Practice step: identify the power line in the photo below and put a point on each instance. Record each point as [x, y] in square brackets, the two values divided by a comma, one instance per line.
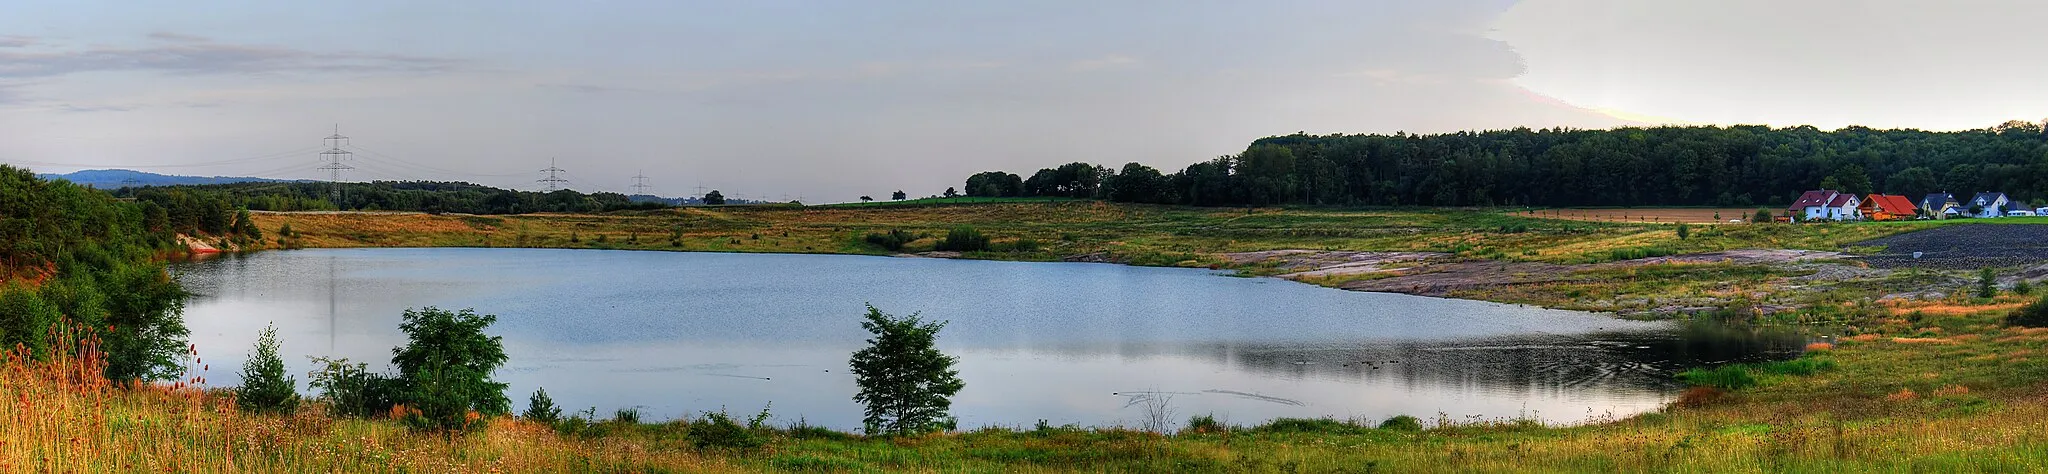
[554, 180]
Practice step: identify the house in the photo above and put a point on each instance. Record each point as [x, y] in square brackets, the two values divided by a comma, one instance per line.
[1940, 205]
[1888, 207]
[2018, 209]
[1990, 204]
[1826, 204]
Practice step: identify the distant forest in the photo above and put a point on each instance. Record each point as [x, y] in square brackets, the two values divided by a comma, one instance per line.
[423, 196]
[1658, 166]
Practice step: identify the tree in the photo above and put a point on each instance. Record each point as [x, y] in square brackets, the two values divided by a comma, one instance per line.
[905, 382]
[899, 195]
[1684, 231]
[265, 387]
[714, 198]
[447, 366]
[1913, 182]
[950, 192]
[1853, 180]
[1987, 283]
[1762, 215]
[541, 408]
[866, 199]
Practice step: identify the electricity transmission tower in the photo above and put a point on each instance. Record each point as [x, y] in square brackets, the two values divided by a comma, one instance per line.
[554, 181]
[640, 185]
[333, 161]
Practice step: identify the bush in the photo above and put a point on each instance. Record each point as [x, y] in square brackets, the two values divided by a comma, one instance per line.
[1684, 231]
[447, 368]
[265, 387]
[964, 239]
[1726, 377]
[628, 416]
[351, 390]
[1025, 245]
[1205, 424]
[893, 240]
[717, 430]
[1402, 423]
[1987, 283]
[1309, 425]
[2022, 288]
[2033, 315]
[540, 407]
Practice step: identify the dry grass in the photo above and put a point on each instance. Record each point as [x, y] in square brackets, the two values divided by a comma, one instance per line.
[1650, 215]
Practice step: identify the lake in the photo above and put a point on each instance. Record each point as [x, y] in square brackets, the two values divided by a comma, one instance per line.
[677, 334]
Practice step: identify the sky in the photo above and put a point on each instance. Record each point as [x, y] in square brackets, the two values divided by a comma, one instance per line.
[831, 100]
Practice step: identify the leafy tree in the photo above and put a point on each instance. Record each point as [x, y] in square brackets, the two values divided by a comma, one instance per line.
[714, 198]
[898, 195]
[1853, 180]
[1987, 283]
[1684, 231]
[867, 199]
[1762, 215]
[265, 387]
[447, 367]
[1912, 182]
[950, 192]
[964, 239]
[541, 408]
[905, 382]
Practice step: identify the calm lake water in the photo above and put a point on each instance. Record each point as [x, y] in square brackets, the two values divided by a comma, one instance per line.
[682, 333]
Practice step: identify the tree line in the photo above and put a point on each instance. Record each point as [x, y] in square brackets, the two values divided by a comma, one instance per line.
[1740, 165]
[418, 196]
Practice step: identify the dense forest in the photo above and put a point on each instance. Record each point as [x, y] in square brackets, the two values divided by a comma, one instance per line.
[73, 254]
[1659, 166]
[422, 196]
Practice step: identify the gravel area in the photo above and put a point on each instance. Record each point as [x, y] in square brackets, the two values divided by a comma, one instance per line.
[1963, 247]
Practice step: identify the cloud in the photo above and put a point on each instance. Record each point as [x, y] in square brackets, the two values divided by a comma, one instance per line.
[192, 55]
[11, 41]
[1106, 62]
[178, 37]
[92, 108]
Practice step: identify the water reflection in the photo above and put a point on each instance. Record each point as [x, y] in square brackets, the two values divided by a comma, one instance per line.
[1070, 343]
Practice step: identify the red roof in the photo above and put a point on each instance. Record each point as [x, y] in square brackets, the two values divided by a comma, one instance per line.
[1891, 204]
[1812, 199]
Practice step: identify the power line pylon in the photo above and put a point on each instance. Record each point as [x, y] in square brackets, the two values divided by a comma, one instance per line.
[554, 181]
[332, 161]
[640, 185]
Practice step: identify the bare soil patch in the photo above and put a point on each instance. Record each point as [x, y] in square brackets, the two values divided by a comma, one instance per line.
[1962, 247]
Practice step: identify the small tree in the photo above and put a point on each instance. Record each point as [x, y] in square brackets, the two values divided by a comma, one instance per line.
[1684, 231]
[447, 368]
[1762, 215]
[905, 382]
[950, 192]
[867, 199]
[1987, 283]
[541, 408]
[899, 195]
[714, 198]
[265, 387]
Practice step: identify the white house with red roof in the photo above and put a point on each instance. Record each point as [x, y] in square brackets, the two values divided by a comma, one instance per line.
[1826, 204]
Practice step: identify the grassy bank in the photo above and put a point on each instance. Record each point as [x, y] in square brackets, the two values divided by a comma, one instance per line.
[1932, 386]
[1140, 234]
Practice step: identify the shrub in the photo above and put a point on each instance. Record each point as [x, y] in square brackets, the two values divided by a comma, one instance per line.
[265, 387]
[1684, 231]
[718, 431]
[1204, 424]
[629, 416]
[893, 240]
[2033, 315]
[1726, 377]
[351, 390]
[1402, 423]
[2022, 288]
[1987, 283]
[447, 368]
[1309, 425]
[1025, 245]
[964, 239]
[540, 407]
[905, 382]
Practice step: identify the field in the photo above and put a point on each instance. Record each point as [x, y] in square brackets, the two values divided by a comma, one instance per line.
[1655, 215]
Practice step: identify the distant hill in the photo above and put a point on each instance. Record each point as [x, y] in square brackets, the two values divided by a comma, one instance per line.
[111, 179]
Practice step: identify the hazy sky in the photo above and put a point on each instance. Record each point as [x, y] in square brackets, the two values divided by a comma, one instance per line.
[831, 100]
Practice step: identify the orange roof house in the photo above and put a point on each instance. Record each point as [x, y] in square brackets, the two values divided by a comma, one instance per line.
[1887, 207]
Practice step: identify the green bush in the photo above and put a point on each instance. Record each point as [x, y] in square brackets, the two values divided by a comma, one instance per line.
[1025, 245]
[1205, 424]
[265, 387]
[351, 390]
[1987, 283]
[2022, 288]
[717, 430]
[628, 416]
[2033, 315]
[964, 239]
[893, 240]
[1309, 425]
[447, 368]
[1402, 423]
